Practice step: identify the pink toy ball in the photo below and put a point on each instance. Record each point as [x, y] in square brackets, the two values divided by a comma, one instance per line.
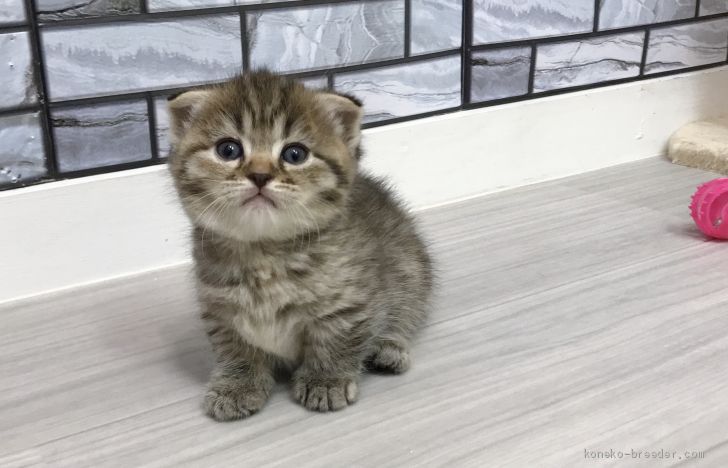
[709, 208]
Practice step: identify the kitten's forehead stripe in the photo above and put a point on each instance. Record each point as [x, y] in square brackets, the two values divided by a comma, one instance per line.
[289, 123]
[237, 116]
[227, 127]
[279, 129]
[247, 117]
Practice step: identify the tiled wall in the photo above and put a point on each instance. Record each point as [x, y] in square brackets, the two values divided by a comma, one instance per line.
[84, 81]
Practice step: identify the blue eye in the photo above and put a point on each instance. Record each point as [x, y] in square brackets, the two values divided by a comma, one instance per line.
[295, 154]
[229, 150]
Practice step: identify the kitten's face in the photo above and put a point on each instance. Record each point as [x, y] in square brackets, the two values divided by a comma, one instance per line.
[261, 157]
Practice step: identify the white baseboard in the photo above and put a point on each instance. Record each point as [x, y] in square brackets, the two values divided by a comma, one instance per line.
[69, 233]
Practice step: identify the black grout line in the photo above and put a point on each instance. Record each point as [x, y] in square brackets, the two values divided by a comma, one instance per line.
[152, 119]
[13, 28]
[113, 168]
[137, 95]
[22, 109]
[532, 69]
[407, 27]
[409, 118]
[330, 81]
[466, 77]
[467, 56]
[697, 8]
[244, 42]
[645, 47]
[143, 6]
[41, 85]
[597, 15]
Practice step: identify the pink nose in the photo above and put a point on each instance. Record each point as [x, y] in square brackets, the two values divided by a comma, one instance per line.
[260, 179]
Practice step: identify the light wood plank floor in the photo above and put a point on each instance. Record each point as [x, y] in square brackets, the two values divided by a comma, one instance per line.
[575, 316]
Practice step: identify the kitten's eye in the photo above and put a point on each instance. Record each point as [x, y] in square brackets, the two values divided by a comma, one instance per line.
[229, 150]
[294, 154]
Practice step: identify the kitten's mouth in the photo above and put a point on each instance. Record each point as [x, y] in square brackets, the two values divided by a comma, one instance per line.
[259, 200]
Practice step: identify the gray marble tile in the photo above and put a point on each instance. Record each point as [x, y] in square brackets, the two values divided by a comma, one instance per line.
[436, 25]
[21, 149]
[16, 70]
[101, 135]
[623, 13]
[500, 73]
[58, 10]
[316, 82]
[712, 7]
[122, 57]
[403, 90]
[508, 20]
[12, 11]
[167, 5]
[588, 61]
[689, 45]
[303, 38]
[161, 120]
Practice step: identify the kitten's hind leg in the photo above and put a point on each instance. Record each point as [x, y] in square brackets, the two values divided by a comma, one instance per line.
[389, 356]
[390, 352]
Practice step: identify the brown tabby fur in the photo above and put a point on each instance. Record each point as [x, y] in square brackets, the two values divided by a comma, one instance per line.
[330, 279]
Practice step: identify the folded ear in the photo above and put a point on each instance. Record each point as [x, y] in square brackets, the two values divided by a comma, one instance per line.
[182, 110]
[346, 113]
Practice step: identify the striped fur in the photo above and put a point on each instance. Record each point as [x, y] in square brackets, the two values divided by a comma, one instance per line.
[330, 279]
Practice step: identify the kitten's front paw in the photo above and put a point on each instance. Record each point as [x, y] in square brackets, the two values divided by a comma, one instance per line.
[322, 393]
[231, 398]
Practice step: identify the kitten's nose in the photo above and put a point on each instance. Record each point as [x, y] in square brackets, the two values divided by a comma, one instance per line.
[260, 179]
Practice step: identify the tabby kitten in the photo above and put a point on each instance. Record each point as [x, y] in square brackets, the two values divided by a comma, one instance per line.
[301, 262]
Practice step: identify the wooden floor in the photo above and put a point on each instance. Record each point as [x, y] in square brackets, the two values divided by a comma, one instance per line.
[574, 317]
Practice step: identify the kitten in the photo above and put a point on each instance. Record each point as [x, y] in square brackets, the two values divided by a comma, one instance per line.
[301, 262]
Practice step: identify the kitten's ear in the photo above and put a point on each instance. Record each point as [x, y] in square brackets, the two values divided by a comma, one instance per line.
[182, 110]
[346, 112]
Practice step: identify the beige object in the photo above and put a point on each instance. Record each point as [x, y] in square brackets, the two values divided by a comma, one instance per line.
[702, 144]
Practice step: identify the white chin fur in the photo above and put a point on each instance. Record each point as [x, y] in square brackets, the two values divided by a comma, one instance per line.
[255, 223]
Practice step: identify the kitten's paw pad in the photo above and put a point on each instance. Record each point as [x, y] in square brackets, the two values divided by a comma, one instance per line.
[390, 358]
[226, 402]
[324, 394]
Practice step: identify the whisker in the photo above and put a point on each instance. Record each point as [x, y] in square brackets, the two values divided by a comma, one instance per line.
[295, 226]
[224, 197]
[312, 218]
